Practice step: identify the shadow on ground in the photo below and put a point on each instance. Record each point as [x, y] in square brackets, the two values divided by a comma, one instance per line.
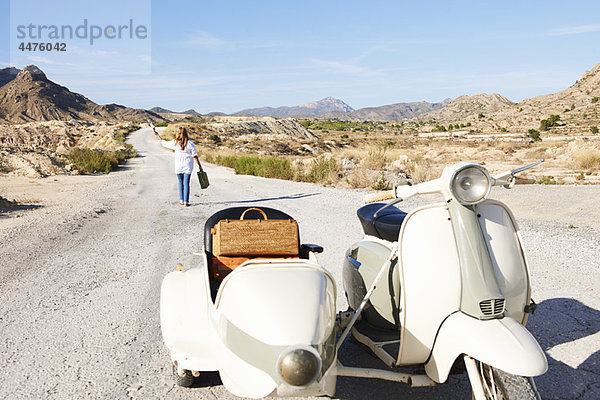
[289, 197]
[7, 207]
[559, 321]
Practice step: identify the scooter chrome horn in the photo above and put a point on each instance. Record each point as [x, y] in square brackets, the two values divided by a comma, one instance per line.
[470, 184]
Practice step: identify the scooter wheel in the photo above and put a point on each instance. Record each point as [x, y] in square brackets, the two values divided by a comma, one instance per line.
[186, 380]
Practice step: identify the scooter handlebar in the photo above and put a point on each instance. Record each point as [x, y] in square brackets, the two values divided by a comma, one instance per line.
[379, 196]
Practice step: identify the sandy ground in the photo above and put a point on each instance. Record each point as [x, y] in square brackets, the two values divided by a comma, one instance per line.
[81, 267]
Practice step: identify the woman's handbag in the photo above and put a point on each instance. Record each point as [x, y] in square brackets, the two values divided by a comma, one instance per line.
[255, 237]
[203, 178]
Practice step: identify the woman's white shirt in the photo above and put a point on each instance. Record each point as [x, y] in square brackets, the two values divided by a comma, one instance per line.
[184, 159]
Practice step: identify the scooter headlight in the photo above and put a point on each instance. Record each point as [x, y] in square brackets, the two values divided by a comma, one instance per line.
[299, 366]
[471, 184]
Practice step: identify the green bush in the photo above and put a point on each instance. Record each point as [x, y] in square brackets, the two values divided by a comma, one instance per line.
[90, 161]
[534, 134]
[215, 138]
[439, 128]
[594, 129]
[320, 169]
[595, 99]
[161, 124]
[546, 124]
[268, 167]
[344, 136]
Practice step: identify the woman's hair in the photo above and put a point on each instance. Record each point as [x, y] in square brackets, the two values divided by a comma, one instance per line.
[182, 137]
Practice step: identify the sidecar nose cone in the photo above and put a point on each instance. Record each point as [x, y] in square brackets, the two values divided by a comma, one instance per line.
[299, 367]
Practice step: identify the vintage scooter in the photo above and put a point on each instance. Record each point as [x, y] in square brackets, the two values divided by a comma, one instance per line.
[445, 287]
[432, 292]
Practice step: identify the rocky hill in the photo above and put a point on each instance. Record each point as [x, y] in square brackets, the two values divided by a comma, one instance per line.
[28, 95]
[314, 108]
[466, 106]
[577, 106]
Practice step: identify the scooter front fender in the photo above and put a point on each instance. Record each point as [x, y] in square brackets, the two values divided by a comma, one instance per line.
[502, 343]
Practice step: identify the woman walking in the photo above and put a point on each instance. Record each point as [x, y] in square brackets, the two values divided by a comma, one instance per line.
[185, 154]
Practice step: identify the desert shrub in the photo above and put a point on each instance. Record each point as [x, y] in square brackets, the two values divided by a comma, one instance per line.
[162, 124]
[381, 183]
[90, 161]
[586, 159]
[595, 99]
[344, 136]
[322, 170]
[546, 124]
[439, 128]
[503, 130]
[546, 180]
[534, 134]
[268, 167]
[594, 129]
[215, 138]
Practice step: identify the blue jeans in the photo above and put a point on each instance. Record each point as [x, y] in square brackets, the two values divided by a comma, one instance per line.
[184, 187]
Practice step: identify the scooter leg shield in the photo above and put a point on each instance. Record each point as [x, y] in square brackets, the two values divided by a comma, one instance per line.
[502, 343]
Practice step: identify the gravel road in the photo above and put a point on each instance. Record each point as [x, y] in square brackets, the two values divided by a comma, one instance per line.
[80, 273]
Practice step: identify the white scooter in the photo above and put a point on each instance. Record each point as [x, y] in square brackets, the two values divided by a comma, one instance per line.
[441, 287]
[445, 287]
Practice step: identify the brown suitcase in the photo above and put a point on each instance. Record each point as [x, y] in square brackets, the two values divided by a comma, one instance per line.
[255, 237]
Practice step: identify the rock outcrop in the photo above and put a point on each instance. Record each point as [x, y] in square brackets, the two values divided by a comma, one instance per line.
[263, 125]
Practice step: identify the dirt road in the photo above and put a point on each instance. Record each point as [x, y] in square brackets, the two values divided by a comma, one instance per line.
[80, 278]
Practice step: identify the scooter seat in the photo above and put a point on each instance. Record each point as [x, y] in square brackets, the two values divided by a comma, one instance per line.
[387, 224]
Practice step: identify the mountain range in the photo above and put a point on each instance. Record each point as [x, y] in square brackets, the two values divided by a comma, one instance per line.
[27, 95]
[328, 104]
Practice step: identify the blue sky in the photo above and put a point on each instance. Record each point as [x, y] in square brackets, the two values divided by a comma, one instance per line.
[230, 55]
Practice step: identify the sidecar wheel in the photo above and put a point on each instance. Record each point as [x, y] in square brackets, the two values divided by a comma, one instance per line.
[184, 381]
[498, 384]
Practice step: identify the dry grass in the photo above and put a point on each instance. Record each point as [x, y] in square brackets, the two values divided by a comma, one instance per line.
[586, 158]
[422, 171]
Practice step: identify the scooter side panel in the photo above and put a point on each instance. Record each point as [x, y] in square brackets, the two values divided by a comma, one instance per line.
[184, 319]
[502, 343]
[431, 280]
[279, 305]
[262, 311]
[507, 256]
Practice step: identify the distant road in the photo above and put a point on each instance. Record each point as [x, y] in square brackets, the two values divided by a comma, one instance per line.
[80, 279]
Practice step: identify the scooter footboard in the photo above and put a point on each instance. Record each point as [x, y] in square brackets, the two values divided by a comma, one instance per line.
[502, 343]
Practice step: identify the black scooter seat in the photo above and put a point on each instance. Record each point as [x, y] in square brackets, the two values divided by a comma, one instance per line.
[387, 224]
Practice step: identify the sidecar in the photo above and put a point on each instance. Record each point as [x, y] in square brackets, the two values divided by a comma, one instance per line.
[266, 324]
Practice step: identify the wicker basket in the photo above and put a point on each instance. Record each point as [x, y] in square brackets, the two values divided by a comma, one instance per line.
[255, 237]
